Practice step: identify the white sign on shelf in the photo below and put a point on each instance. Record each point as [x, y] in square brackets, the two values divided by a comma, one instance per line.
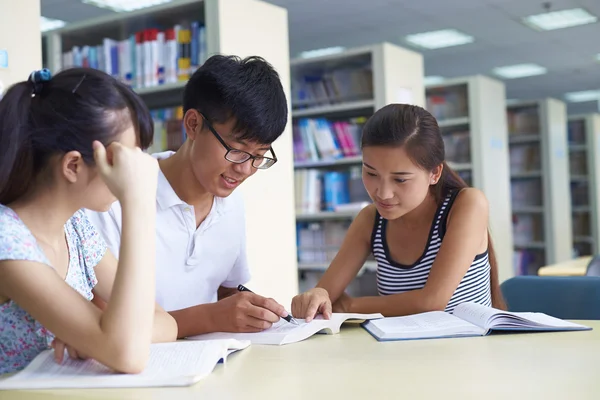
[3, 59]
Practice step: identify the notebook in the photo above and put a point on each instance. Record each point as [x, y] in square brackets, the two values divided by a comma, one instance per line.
[284, 332]
[468, 319]
[181, 363]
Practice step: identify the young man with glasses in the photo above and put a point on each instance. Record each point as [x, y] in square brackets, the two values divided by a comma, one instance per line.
[234, 110]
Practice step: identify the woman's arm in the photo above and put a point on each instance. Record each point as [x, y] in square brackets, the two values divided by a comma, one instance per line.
[351, 256]
[164, 328]
[466, 236]
[120, 336]
[349, 259]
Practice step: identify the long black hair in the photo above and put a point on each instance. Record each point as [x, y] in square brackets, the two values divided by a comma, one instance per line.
[415, 129]
[45, 116]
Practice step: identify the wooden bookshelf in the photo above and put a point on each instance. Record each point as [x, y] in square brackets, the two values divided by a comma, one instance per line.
[228, 30]
[539, 184]
[380, 74]
[471, 114]
[584, 167]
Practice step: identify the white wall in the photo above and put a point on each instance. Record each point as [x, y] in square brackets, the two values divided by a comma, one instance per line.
[25, 48]
[244, 28]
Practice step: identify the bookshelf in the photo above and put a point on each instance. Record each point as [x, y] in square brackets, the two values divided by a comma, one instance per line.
[332, 97]
[223, 27]
[472, 118]
[584, 167]
[539, 184]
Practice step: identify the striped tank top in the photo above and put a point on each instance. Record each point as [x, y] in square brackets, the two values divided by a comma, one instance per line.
[393, 277]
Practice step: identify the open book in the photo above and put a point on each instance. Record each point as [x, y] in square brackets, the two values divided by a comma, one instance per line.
[180, 363]
[468, 319]
[284, 332]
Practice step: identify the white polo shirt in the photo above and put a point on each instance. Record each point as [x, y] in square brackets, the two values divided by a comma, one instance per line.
[191, 263]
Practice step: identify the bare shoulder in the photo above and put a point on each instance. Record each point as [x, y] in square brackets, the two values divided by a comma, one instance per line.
[471, 202]
[366, 216]
[362, 225]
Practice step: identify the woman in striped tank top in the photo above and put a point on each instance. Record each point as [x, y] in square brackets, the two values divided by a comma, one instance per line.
[426, 229]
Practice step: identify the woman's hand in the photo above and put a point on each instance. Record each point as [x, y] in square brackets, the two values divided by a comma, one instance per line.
[59, 351]
[307, 305]
[128, 173]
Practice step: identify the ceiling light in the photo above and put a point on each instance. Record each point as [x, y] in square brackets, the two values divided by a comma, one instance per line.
[433, 79]
[47, 24]
[439, 39]
[598, 57]
[322, 52]
[519, 71]
[586, 95]
[560, 19]
[125, 5]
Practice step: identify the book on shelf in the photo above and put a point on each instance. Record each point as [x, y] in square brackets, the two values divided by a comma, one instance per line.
[317, 139]
[468, 319]
[332, 86]
[318, 190]
[523, 120]
[146, 58]
[527, 262]
[448, 102]
[320, 242]
[283, 332]
[576, 131]
[525, 157]
[457, 145]
[169, 133]
[181, 363]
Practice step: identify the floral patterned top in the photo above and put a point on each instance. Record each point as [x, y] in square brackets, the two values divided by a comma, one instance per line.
[21, 337]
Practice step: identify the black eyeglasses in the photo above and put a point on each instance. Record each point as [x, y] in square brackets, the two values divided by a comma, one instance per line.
[239, 156]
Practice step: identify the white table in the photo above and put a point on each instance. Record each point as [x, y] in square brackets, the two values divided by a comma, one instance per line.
[353, 365]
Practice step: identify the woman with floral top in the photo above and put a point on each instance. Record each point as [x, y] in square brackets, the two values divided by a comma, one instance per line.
[71, 142]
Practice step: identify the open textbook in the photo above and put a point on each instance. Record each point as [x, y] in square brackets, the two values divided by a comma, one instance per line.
[284, 332]
[181, 363]
[468, 319]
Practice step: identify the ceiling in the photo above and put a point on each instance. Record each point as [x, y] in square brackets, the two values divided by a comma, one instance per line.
[500, 38]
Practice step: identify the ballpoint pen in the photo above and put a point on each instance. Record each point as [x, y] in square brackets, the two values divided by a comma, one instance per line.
[289, 317]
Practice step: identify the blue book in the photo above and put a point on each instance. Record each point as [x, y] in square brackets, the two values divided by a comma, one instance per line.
[335, 189]
[467, 319]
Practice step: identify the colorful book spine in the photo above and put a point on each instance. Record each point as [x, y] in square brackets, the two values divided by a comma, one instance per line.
[146, 58]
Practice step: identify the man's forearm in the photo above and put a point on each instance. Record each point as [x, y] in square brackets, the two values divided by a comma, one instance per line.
[194, 320]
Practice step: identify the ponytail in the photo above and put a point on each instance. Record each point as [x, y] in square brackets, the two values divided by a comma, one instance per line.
[451, 181]
[16, 152]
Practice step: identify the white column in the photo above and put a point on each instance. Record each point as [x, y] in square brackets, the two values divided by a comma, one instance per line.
[20, 40]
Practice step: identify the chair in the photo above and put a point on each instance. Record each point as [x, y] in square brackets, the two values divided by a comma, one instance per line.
[572, 297]
[593, 268]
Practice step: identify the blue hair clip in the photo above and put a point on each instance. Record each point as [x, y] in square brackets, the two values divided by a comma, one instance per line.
[37, 78]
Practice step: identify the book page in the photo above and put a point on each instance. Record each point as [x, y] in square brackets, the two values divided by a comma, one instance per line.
[167, 362]
[546, 320]
[283, 332]
[491, 318]
[475, 313]
[424, 325]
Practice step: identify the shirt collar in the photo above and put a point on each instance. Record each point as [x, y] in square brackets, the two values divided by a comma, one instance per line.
[167, 198]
